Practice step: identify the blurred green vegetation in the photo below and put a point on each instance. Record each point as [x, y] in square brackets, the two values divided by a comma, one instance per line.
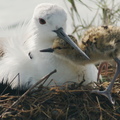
[108, 12]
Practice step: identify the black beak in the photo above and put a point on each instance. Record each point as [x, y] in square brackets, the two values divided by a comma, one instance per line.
[47, 50]
[62, 34]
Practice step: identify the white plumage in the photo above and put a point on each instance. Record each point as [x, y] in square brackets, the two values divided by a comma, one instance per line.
[28, 38]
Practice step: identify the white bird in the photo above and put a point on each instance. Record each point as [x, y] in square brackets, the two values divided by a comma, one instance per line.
[20, 51]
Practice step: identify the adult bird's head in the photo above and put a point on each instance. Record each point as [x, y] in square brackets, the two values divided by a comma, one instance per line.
[49, 22]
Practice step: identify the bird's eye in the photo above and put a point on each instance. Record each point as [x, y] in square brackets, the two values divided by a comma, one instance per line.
[42, 21]
[59, 48]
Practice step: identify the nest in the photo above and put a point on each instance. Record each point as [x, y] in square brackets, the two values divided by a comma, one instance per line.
[71, 101]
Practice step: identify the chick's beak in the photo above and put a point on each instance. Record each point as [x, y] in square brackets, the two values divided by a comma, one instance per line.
[47, 50]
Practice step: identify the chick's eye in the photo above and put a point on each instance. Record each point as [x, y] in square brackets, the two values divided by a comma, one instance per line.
[42, 21]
